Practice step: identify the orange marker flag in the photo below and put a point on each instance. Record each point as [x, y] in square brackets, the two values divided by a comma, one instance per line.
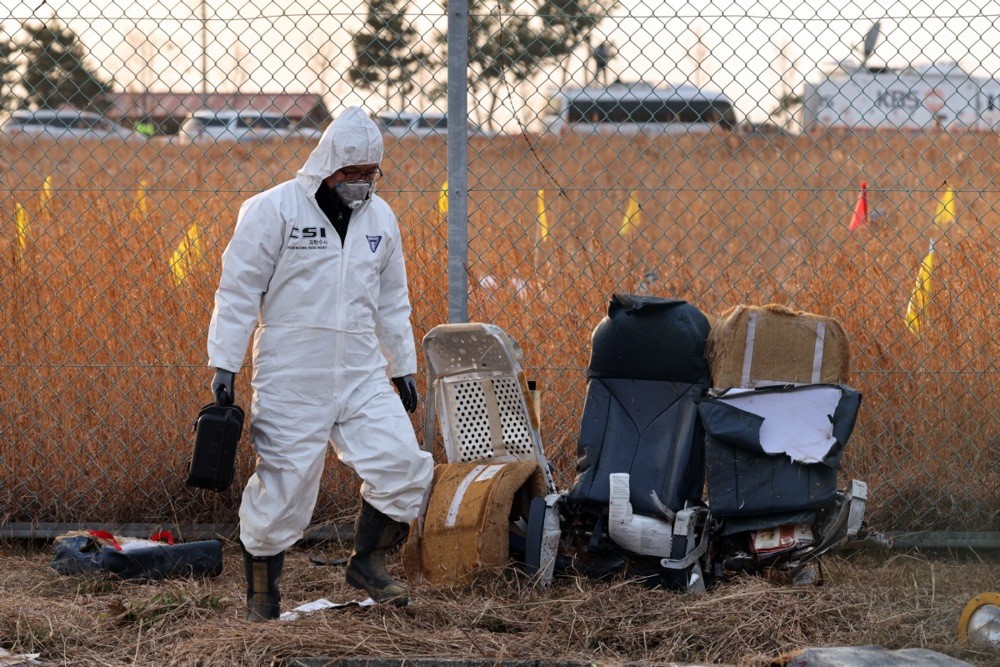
[860, 216]
[543, 216]
[921, 296]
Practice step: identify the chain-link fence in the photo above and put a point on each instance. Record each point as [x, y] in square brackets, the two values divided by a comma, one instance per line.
[835, 161]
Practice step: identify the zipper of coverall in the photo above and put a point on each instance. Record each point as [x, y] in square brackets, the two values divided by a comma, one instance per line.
[354, 223]
[338, 353]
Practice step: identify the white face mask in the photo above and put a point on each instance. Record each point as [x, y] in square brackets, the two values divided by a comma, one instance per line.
[354, 193]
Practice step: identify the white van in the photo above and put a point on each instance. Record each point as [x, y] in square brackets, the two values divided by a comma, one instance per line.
[64, 124]
[420, 125]
[638, 108]
[227, 125]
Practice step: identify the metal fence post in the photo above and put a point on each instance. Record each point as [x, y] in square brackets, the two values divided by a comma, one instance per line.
[458, 207]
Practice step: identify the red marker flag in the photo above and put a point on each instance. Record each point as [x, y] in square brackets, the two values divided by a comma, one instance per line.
[860, 216]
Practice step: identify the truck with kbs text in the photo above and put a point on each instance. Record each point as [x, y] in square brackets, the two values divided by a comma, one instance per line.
[940, 96]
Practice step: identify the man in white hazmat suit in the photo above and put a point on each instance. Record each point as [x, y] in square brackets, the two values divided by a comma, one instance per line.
[316, 264]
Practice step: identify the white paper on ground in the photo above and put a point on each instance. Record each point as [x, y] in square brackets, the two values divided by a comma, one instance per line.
[781, 538]
[320, 605]
[797, 423]
[8, 659]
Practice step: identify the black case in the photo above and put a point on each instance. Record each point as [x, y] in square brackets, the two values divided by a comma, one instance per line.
[217, 433]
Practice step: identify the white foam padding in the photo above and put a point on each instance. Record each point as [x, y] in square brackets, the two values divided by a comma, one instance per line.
[797, 423]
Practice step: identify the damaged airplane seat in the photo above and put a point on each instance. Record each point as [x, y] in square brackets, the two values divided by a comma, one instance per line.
[657, 430]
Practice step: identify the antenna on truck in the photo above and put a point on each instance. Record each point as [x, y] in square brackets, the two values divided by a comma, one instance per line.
[868, 43]
[864, 49]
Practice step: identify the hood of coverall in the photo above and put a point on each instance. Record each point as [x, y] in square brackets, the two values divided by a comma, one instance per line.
[351, 139]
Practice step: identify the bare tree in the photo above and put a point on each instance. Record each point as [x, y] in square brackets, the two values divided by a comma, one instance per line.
[567, 28]
[141, 66]
[388, 52]
[242, 66]
[698, 55]
[505, 50]
[323, 65]
[140, 70]
[789, 101]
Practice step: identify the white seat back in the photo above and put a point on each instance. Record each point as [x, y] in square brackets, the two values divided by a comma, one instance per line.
[479, 394]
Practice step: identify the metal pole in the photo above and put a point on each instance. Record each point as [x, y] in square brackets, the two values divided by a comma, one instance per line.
[458, 161]
[204, 50]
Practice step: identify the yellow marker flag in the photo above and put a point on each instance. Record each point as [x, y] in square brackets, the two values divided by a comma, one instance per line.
[194, 249]
[945, 213]
[633, 215]
[187, 254]
[921, 296]
[443, 199]
[543, 216]
[46, 194]
[21, 221]
[141, 210]
[178, 261]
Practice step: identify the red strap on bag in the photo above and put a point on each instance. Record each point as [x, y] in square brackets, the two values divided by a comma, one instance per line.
[163, 536]
[106, 536]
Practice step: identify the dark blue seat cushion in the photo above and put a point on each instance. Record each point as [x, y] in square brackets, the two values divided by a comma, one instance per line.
[647, 368]
[648, 429]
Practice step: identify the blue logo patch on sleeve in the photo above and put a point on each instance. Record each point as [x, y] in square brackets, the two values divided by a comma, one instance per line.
[373, 242]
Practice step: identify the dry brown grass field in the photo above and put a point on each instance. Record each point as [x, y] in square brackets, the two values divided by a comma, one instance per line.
[894, 600]
[102, 362]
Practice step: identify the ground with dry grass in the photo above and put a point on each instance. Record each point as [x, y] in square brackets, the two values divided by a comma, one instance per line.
[895, 600]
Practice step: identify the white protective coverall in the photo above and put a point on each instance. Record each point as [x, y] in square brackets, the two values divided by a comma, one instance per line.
[333, 324]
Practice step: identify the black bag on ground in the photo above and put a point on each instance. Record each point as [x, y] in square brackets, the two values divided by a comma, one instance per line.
[217, 433]
[79, 554]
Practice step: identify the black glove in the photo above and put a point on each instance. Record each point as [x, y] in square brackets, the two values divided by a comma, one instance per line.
[222, 386]
[407, 389]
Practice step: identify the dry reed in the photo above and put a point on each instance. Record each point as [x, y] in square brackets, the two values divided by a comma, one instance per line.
[102, 356]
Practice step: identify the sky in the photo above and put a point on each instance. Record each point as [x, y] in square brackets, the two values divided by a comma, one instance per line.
[750, 51]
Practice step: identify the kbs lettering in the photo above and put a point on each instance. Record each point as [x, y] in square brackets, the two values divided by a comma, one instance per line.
[308, 232]
[897, 99]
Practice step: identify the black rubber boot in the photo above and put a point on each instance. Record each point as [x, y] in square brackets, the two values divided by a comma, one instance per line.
[374, 535]
[263, 578]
